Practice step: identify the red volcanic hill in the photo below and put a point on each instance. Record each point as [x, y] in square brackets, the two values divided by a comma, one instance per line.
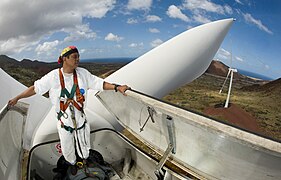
[217, 68]
[220, 69]
[234, 115]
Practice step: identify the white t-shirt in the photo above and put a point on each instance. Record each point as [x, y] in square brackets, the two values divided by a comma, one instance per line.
[51, 82]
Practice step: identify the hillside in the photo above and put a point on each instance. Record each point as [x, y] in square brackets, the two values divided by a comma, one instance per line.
[6, 61]
[259, 101]
[268, 87]
[220, 69]
[27, 71]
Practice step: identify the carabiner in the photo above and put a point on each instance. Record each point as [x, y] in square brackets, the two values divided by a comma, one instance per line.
[80, 164]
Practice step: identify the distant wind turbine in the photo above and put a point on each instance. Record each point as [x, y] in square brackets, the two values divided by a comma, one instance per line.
[230, 72]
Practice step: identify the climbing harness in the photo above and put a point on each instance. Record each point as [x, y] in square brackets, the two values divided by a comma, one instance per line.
[67, 100]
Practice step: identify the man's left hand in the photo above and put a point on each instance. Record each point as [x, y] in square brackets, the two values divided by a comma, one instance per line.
[122, 89]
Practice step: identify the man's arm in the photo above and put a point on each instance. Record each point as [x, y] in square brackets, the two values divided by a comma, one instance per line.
[27, 93]
[120, 88]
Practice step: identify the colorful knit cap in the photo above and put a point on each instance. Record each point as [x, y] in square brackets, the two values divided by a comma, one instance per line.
[66, 52]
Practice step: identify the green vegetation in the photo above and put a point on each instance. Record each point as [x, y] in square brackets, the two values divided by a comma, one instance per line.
[25, 76]
[203, 93]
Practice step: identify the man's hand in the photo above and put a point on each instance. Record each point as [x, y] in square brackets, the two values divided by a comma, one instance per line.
[13, 102]
[27, 93]
[122, 89]
[116, 87]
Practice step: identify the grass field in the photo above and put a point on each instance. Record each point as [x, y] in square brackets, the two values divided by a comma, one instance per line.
[204, 92]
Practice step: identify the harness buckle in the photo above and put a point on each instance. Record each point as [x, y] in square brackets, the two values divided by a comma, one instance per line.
[63, 99]
[64, 114]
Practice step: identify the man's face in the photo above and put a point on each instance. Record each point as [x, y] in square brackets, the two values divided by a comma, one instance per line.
[72, 60]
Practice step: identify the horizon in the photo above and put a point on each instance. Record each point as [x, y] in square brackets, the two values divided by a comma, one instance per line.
[130, 59]
[109, 29]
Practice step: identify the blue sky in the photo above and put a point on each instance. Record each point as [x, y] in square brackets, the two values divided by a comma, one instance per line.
[129, 28]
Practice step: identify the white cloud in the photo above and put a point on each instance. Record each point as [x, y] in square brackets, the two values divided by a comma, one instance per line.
[153, 18]
[132, 21]
[228, 9]
[223, 54]
[267, 67]
[248, 18]
[239, 59]
[17, 45]
[31, 21]
[134, 45]
[239, 2]
[153, 30]
[156, 42]
[206, 5]
[261, 64]
[139, 4]
[46, 47]
[81, 51]
[201, 19]
[80, 32]
[112, 37]
[174, 12]
[94, 8]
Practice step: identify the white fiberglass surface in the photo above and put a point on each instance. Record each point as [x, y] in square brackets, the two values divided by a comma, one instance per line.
[11, 134]
[109, 143]
[39, 106]
[213, 149]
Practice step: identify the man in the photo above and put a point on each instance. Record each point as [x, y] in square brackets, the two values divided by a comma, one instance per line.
[67, 88]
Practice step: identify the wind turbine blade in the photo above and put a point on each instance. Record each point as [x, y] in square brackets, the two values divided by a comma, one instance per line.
[176, 62]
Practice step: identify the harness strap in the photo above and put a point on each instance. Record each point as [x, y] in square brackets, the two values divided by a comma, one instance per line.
[70, 96]
[67, 98]
[71, 129]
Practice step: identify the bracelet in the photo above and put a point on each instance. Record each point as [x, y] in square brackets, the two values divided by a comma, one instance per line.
[115, 87]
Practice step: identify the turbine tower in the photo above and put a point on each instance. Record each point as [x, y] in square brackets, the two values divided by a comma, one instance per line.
[230, 72]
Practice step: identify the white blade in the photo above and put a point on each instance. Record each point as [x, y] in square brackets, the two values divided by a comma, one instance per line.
[178, 61]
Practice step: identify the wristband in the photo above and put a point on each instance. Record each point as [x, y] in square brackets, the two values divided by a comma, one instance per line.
[115, 87]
